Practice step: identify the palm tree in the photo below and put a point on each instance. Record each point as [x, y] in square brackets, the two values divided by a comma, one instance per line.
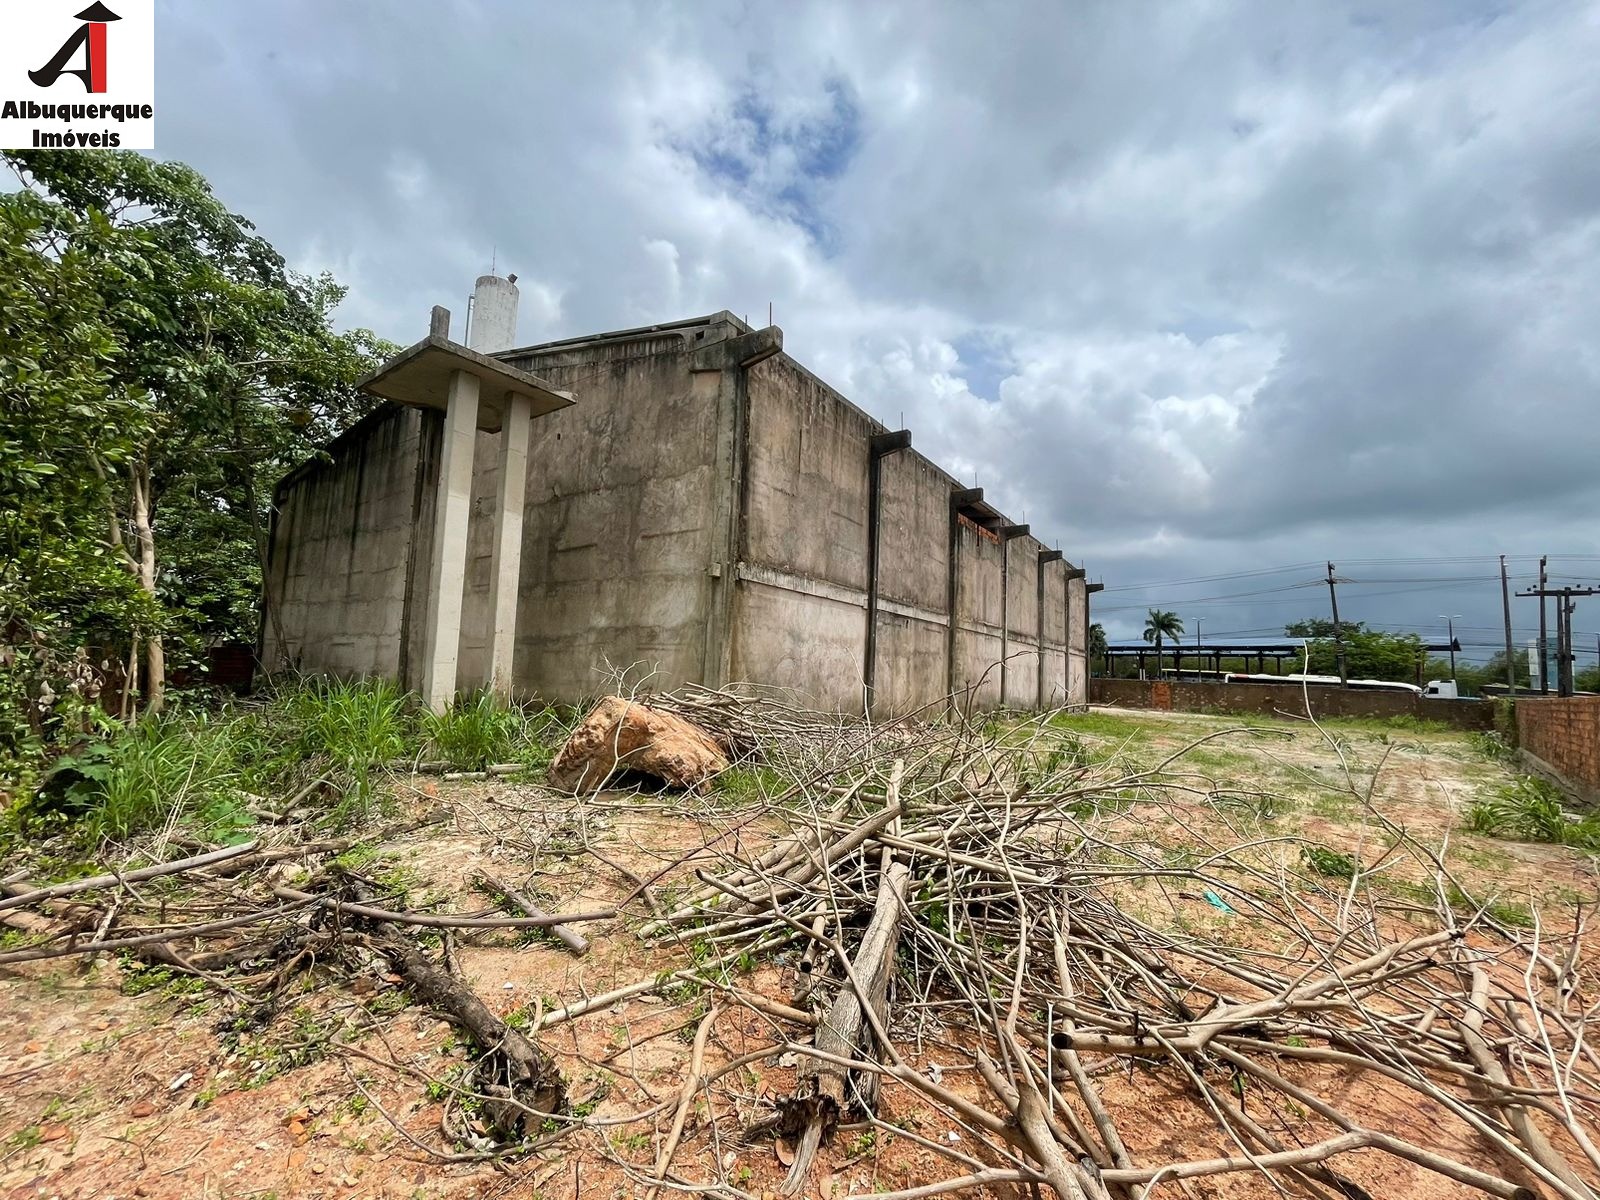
[1160, 625]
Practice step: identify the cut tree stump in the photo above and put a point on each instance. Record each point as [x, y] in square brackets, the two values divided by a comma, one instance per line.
[624, 735]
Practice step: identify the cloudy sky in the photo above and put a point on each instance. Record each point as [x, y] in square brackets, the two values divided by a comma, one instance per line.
[1199, 290]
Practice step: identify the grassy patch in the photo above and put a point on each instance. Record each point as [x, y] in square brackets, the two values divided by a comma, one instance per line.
[1531, 810]
[750, 785]
[475, 731]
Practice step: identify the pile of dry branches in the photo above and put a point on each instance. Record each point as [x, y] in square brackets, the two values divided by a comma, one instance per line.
[229, 917]
[986, 894]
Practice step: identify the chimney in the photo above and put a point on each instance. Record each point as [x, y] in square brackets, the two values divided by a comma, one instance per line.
[494, 315]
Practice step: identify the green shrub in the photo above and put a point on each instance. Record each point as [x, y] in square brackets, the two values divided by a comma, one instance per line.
[1328, 862]
[358, 726]
[176, 767]
[1531, 810]
[475, 731]
[1493, 746]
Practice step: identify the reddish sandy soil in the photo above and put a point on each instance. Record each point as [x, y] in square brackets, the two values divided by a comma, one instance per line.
[104, 1094]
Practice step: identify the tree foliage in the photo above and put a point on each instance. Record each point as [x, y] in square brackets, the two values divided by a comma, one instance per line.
[160, 367]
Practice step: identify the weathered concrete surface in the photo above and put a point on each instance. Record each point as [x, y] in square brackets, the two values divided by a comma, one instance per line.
[980, 603]
[913, 584]
[624, 735]
[505, 559]
[340, 543]
[1022, 622]
[1053, 620]
[1077, 642]
[713, 521]
[618, 520]
[446, 571]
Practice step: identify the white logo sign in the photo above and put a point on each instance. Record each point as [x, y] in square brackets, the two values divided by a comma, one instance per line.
[78, 78]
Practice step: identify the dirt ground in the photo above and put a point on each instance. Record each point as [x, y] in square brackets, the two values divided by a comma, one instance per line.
[117, 1084]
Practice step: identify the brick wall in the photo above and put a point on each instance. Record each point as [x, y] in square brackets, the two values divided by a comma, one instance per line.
[1563, 734]
[1268, 699]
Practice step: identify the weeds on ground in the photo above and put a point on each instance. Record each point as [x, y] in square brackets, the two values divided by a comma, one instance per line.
[1494, 747]
[475, 731]
[1531, 810]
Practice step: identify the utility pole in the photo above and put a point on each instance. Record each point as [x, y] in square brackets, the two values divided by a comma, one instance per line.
[1199, 662]
[1338, 633]
[1544, 634]
[1565, 607]
[1568, 658]
[1505, 603]
[1450, 623]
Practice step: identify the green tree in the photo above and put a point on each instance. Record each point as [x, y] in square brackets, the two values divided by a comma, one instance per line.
[239, 369]
[1160, 625]
[1097, 643]
[65, 599]
[1369, 654]
[1319, 627]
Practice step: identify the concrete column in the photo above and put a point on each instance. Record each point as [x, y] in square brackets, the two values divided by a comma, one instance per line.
[505, 564]
[447, 575]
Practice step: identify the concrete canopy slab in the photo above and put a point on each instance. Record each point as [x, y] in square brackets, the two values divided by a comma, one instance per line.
[419, 376]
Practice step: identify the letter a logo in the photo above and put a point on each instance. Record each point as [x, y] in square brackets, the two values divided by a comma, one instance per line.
[91, 33]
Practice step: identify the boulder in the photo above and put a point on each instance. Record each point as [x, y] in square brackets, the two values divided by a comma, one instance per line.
[624, 735]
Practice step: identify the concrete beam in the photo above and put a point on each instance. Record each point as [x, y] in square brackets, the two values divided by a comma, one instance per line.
[966, 497]
[745, 350]
[1049, 556]
[505, 567]
[447, 574]
[888, 443]
[1012, 531]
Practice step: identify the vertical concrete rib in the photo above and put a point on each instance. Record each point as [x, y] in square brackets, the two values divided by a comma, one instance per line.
[1046, 556]
[449, 567]
[505, 567]
[879, 447]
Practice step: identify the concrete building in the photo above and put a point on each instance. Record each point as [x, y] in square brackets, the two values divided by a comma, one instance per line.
[693, 501]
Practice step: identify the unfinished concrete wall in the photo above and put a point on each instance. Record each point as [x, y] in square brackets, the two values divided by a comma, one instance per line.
[1021, 669]
[913, 584]
[1077, 641]
[980, 602]
[700, 514]
[618, 521]
[799, 618]
[1053, 647]
[342, 538]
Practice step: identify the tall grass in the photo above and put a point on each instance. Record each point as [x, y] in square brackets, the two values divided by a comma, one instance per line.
[356, 727]
[1531, 810]
[170, 769]
[475, 731]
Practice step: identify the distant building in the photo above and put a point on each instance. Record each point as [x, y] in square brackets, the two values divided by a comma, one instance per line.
[705, 507]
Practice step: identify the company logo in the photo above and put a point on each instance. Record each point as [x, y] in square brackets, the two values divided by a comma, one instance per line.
[91, 35]
[111, 52]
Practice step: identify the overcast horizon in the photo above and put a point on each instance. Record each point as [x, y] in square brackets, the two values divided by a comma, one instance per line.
[1208, 293]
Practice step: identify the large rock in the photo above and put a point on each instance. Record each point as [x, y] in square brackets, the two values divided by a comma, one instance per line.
[624, 735]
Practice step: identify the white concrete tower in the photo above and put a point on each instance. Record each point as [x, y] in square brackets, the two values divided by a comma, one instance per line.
[494, 315]
[494, 329]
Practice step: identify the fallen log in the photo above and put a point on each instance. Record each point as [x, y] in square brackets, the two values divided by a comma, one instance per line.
[522, 1084]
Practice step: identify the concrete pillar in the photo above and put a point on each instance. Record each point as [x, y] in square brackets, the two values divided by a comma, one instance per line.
[447, 575]
[505, 566]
